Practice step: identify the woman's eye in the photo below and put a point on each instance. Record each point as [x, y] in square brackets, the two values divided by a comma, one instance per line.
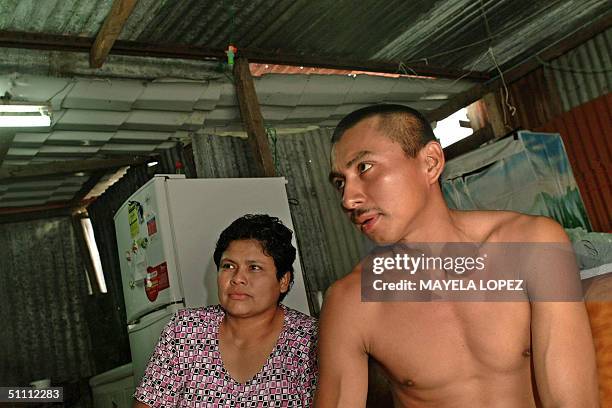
[363, 167]
[339, 184]
[256, 267]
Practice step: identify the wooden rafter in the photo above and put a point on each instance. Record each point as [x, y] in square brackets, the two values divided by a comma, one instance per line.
[252, 120]
[70, 166]
[110, 31]
[13, 39]
[20, 214]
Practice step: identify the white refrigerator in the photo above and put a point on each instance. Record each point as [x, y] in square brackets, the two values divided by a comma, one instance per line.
[166, 235]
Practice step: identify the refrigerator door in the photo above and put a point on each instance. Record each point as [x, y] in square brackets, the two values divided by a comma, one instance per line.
[146, 251]
[144, 336]
[201, 208]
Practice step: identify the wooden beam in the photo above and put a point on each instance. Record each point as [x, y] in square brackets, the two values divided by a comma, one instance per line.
[252, 121]
[110, 31]
[13, 39]
[472, 142]
[19, 214]
[562, 46]
[70, 166]
[462, 100]
[495, 116]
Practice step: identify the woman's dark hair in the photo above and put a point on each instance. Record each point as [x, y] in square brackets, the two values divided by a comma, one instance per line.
[272, 234]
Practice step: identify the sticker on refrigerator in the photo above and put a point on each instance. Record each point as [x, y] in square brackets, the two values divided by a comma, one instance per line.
[152, 225]
[156, 280]
[134, 217]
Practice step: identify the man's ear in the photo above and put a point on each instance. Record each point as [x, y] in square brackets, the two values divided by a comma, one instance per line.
[434, 160]
[284, 282]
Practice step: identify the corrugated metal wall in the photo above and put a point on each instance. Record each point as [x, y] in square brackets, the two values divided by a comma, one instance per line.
[571, 96]
[585, 72]
[579, 76]
[43, 297]
[329, 245]
[586, 134]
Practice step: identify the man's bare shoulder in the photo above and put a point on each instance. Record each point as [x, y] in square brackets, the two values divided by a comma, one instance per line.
[343, 298]
[511, 226]
[344, 318]
[530, 228]
[346, 290]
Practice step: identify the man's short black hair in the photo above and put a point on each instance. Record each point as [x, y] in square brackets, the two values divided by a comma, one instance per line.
[402, 124]
[272, 234]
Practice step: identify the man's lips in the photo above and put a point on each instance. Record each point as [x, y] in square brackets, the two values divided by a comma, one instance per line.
[368, 224]
[366, 221]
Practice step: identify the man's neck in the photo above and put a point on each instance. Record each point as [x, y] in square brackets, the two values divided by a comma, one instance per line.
[438, 223]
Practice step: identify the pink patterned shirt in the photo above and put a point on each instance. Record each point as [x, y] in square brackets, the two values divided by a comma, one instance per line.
[186, 369]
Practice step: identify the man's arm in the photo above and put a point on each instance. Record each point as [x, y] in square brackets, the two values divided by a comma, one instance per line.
[562, 344]
[343, 361]
[138, 404]
[564, 356]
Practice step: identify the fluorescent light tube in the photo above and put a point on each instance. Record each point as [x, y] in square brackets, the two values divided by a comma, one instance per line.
[20, 115]
[25, 121]
[23, 108]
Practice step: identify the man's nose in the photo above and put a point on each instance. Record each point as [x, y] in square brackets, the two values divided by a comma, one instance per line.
[352, 196]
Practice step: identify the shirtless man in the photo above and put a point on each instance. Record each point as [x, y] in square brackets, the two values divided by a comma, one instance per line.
[386, 164]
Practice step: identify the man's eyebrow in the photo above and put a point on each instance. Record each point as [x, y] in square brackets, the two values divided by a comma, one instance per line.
[357, 157]
[360, 155]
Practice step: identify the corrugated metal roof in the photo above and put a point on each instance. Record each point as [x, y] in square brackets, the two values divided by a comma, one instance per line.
[71, 17]
[99, 117]
[585, 72]
[439, 32]
[446, 33]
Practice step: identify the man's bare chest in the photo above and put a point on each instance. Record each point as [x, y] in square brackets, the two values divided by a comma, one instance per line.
[432, 344]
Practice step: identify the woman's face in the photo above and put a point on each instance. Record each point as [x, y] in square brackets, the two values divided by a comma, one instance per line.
[246, 281]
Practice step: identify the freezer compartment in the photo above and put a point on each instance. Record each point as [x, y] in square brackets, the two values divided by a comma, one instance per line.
[144, 336]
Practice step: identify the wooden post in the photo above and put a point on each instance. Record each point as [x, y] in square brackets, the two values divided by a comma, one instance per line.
[495, 115]
[252, 121]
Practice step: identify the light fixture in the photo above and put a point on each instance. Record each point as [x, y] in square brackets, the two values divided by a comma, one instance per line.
[17, 115]
[152, 163]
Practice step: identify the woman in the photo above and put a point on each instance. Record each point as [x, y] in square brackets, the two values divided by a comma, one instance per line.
[249, 351]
